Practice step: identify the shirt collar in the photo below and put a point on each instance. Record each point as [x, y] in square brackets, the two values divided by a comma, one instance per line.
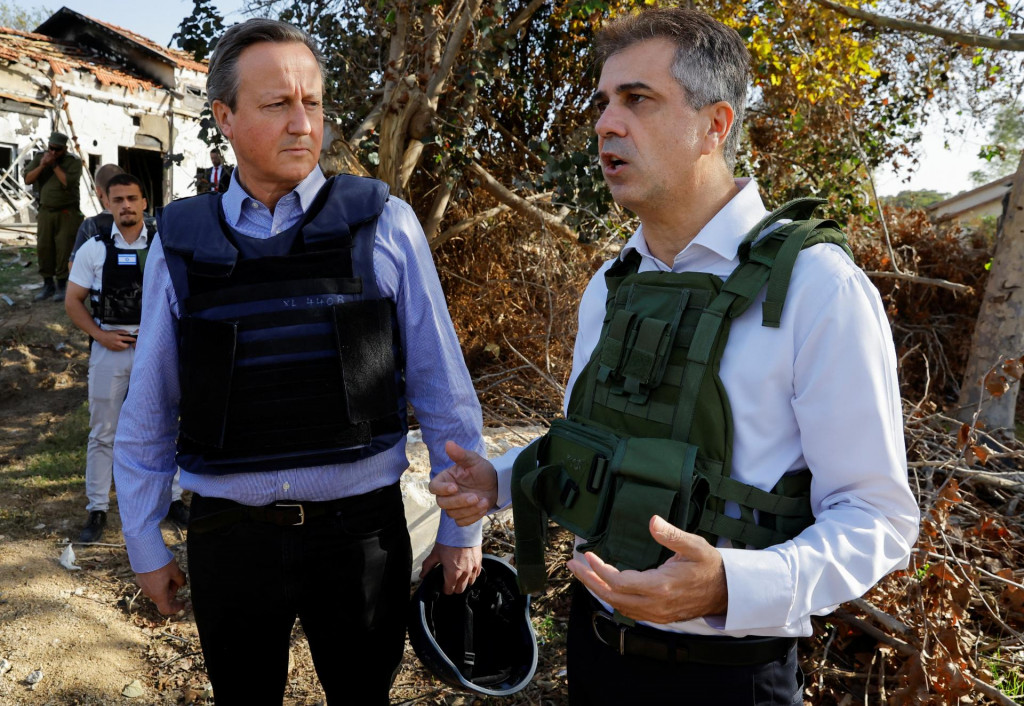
[236, 197]
[121, 242]
[724, 232]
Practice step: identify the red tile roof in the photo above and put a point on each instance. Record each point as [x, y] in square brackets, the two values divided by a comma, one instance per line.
[17, 46]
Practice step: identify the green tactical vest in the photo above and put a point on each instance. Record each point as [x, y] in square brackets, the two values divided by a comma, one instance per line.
[650, 428]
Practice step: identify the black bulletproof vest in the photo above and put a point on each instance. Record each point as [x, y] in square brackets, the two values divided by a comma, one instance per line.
[288, 355]
[119, 300]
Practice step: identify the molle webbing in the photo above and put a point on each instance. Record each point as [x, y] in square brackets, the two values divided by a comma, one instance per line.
[650, 428]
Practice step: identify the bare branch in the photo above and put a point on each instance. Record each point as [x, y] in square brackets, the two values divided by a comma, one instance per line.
[478, 218]
[972, 40]
[945, 284]
[521, 205]
[451, 51]
[523, 17]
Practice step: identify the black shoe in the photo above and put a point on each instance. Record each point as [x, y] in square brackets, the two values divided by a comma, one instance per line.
[178, 513]
[62, 287]
[48, 291]
[93, 529]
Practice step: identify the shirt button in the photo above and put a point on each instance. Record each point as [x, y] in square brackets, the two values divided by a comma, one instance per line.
[254, 204]
[286, 486]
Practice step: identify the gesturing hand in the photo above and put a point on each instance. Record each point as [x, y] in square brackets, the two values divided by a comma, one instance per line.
[467, 490]
[691, 584]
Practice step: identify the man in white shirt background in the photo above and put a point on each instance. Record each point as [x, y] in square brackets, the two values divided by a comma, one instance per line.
[108, 273]
[817, 392]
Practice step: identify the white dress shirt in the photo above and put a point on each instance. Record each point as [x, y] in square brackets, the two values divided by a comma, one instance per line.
[819, 392]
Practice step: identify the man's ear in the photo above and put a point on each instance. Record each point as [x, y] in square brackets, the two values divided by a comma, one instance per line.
[720, 117]
[224, 117]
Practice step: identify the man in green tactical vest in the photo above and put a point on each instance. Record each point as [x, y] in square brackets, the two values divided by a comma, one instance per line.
[732, 457]
[55, 173]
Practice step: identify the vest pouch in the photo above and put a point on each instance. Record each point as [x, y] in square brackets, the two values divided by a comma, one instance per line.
[652, 477]
[206, 368]
[366, 345]
[573, 477]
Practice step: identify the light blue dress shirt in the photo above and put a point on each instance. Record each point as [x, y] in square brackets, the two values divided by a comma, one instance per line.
[437, 385]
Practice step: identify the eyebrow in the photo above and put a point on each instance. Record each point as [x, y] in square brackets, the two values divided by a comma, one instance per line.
[619, 90]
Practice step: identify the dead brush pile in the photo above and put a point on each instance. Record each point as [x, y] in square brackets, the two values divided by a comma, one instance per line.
[946, 630]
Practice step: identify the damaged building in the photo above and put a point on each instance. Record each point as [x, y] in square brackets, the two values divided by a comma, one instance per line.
[121, 98]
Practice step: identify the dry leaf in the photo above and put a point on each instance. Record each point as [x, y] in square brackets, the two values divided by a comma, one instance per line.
[963, 436]
[1014, 367]
[996, 384]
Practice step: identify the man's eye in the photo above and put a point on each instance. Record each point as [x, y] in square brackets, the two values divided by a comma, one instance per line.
[635, 98]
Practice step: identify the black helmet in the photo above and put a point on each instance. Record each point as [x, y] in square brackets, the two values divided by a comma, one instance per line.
[480, 639]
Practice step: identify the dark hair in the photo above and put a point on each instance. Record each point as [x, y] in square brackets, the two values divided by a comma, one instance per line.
[711, 64]
[104, 173]
[222, 79]
[125, 179]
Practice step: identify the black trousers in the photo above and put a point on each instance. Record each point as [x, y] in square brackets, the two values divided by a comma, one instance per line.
[599, 675]
[345, 575]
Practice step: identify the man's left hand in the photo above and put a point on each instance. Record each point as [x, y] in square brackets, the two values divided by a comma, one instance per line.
[691, 584]
[461, 565]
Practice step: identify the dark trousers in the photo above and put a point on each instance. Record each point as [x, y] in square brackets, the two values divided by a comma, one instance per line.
[345, 575]
[599, 675]
[55, 234]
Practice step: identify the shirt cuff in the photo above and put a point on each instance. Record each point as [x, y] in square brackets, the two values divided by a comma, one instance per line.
[503, 467]
[761, 589]
[452, 535]
[148, 552]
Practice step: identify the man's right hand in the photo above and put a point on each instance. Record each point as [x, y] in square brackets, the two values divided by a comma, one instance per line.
[467, 490]
[162, 585]
[116, 340]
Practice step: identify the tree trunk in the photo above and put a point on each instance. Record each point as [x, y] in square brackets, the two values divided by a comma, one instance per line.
[999, 332]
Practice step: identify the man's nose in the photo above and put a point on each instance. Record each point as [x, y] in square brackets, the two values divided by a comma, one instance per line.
[610, 123]
[298, 120]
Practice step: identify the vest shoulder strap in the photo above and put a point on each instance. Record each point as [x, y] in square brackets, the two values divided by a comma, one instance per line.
[769, 258]
[104, 225]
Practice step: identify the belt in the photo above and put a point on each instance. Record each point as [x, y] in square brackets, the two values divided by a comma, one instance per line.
[665, 646]
[281, 513]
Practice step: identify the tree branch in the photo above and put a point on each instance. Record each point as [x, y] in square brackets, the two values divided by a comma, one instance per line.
[523, 17]
[476, 219]
[966, 38]
[521, 205]
[452, 47]
[945, 284]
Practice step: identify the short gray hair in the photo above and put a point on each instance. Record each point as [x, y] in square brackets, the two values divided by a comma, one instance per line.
[711, 64]
[222, 79]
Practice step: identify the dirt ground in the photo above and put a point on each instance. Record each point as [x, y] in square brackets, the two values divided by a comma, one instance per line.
[86, 635]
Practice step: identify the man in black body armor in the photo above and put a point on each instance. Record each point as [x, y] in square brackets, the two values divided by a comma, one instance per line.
[724, 353]
[109, 276]
[286, 325]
